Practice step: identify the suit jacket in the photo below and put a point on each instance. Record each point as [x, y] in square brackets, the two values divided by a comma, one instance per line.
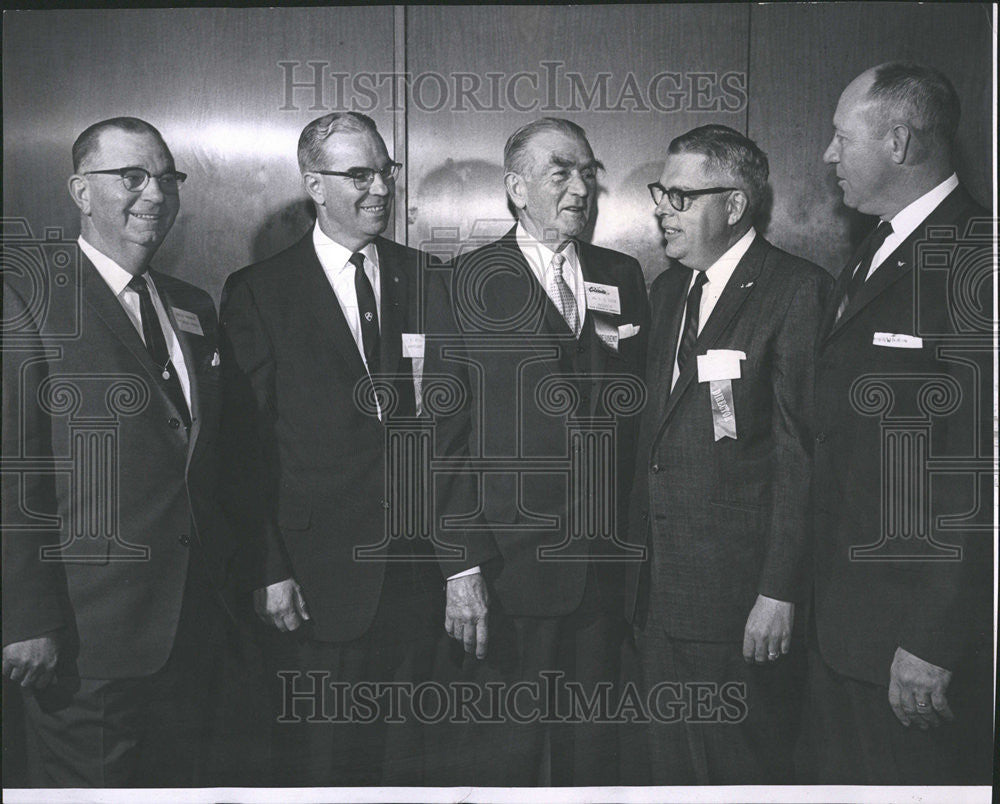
[529, 380]
[726, 520]
[935, 605]
[115, 489]
[319, 485]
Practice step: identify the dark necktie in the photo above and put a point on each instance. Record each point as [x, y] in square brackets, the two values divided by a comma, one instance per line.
[156, 345]
[367, 312]
[875, 241]
[690, 332]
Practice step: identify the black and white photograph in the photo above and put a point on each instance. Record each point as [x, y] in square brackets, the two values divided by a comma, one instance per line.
[499, 403]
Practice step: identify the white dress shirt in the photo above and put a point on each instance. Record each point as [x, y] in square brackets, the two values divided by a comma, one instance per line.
[339, 271]
[539, 257]
[117, 279]
[909, 218]
[717, 277]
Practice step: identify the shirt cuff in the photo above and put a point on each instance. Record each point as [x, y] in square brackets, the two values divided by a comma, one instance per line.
[463, 573]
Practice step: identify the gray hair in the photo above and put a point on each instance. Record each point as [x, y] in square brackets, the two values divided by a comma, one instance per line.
[729, 152]
[515, 152]
[310, 151]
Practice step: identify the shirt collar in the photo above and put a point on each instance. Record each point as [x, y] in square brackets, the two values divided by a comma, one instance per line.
[116, 277]
[539, 255]
[334, 257]
[718, 272]
[912, 215]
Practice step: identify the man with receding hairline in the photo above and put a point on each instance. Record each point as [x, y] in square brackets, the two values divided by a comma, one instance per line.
[721, 491]
[899, 677]
[312, 331]
[558, 313]
[112, 621]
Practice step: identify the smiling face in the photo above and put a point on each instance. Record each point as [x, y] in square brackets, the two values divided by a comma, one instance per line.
[703, 232]
[125, 225]
[862, 157]
[347, 215]
[555, 194]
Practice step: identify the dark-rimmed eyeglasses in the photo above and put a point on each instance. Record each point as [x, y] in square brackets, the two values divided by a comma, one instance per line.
[364, 176]
[135, 179]
[681, 199]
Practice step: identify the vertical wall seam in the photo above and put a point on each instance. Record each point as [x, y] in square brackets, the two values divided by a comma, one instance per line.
[749, 56]
[399, 128]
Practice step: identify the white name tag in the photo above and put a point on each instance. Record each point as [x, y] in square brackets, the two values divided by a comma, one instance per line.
[602, 298]
[627, 331]
[897, 341]
[413, 344]
[187, 321]
[720, 364]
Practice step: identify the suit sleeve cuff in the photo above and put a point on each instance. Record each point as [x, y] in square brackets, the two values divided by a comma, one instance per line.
[463, 573]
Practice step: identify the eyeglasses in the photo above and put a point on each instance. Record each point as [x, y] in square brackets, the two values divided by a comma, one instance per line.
[681, 199]
[135, 179]
[363, 177]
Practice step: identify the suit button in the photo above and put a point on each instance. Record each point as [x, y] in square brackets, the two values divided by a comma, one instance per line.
[384, 503]
[821, 438]
[174, 423]
[654, 468]
[184, 539]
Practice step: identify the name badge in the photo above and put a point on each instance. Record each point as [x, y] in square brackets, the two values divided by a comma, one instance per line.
[187, 321]
[719, 367]
[897, 341]
[720, 364]
[603, 298]
[413, 344]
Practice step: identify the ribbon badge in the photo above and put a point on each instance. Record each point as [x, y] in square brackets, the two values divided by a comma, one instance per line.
[719, 367]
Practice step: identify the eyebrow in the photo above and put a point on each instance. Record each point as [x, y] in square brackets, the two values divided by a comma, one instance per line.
[564, 162]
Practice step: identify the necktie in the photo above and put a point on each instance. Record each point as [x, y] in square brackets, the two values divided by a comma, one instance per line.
[156, 345]
[563, 296]
[875, 241]
[367, 312]
[690, 332]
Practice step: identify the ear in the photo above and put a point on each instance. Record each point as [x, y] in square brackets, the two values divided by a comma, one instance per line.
[515, 189]
[313, 183]
[736, 206]
[899, 141]
[79, 191]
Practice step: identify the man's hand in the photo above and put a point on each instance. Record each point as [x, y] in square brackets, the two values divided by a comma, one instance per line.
[768, 633]
[916, 690]
[32, 662]
[281, 604]
[465, 613]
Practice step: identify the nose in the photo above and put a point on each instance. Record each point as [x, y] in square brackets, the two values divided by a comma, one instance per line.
[831, 155]
[664, 208]
[152, 191]
[379, 186]
[577, 186]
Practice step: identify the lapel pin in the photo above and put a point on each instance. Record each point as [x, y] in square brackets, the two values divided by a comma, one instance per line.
[368, 316]
[746, 285]
[395, 279]
[900, 263]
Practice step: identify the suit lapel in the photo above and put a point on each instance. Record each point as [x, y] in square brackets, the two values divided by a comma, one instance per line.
[191, 361]
[661, 368]
[898, 264]
[322, 305]
[394, 294]
[737, 291]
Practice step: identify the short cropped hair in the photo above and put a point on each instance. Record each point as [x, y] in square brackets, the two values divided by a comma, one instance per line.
[919, 95]
[515, 152]
[729, 152]
[89, 140]
[310, 151]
